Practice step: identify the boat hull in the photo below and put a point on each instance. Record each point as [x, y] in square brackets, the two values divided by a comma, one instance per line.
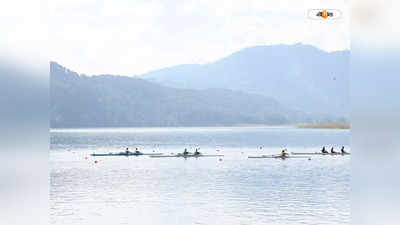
[319, 153]
[124, 154]
[276, 157]
[184, 156]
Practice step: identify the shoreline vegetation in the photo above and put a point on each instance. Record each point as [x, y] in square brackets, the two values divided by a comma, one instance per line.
[331, 125]
[326, 125]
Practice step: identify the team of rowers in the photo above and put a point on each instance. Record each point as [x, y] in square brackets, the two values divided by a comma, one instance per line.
[342, 151]
[196, 152]
[129, 152]
[323, 150]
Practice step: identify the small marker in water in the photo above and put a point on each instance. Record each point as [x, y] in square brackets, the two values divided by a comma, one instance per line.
[309, 158]
[95, 161]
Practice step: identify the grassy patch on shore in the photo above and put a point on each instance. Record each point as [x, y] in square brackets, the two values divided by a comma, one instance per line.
[333, 125]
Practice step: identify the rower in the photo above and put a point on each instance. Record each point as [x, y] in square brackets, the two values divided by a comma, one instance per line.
[283, 153]
[185, 152]
[127, 151]
[196, 152]
[324, 150]
[137, 151]
[333, 151]
[342, 150]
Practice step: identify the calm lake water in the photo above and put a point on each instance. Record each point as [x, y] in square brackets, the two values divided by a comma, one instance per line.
[230, 190]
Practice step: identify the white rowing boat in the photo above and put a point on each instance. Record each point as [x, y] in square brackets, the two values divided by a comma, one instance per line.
[184, 156]
[125, 154]
[276, 157]
[319, 153]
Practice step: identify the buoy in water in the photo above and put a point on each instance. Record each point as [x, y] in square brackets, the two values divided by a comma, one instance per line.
[309, 158]
[95, 161]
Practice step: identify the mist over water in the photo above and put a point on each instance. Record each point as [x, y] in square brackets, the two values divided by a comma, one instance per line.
[227, 190]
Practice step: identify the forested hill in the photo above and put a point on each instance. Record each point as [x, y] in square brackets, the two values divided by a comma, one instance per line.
[120, 101]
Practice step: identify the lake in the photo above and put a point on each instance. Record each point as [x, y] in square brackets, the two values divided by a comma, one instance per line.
[229, 190]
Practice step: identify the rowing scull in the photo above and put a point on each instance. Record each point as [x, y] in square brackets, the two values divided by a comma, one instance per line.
[125, 154]
[319, 153]
[184, 155]
[276, 157]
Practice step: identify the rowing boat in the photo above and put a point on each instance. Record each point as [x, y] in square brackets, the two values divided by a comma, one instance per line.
[319, 153]
[125, 154]
[276, 157]
[184, 156]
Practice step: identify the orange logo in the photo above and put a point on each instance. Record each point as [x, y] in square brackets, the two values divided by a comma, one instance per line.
[324, 14]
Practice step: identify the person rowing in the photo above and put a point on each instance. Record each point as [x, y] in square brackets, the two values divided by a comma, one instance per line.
[324, 151]
[342, 150]
[137, 151]
[197, 152]
[185, 152]
[333, 151]
[127, 151]
[283, 153]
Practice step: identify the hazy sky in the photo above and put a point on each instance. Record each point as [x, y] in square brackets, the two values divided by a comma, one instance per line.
[136, 36]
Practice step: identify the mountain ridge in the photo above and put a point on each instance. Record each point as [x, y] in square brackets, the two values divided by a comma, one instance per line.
[78, 100]
[299, 76]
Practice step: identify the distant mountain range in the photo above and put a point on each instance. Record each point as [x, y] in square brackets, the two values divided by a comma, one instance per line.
[268, 85]
[298, 76]
[118, 101]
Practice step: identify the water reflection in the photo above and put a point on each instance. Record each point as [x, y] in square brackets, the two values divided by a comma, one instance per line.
[236, 190]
